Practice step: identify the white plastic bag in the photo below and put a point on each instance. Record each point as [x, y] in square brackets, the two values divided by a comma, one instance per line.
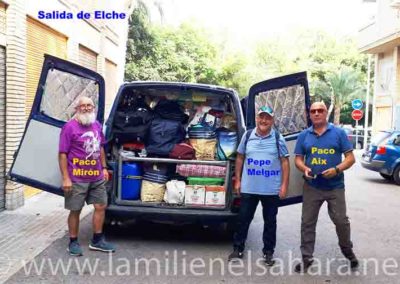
[175, 192]
[199, 115]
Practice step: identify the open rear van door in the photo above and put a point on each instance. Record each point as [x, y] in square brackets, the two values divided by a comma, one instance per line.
[289, 97]
[61, 84]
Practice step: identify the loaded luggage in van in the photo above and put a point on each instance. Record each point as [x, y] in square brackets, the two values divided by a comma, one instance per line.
[170, 146]
[180, 147]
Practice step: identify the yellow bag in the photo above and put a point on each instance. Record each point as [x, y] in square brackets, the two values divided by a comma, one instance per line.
[152, 191]
[204, 148]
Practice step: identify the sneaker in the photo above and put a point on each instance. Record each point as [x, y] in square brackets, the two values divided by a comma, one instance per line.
[303, 266]
[102, 245]
[269, 258]
[352, 258]
[235, 255]
[75, 249]
[354, 263]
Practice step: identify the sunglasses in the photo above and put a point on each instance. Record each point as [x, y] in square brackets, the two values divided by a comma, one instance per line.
[317, 110]
[87, 106]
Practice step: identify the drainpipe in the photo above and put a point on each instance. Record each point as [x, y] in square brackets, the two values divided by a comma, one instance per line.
[393, 94]
[367, 103]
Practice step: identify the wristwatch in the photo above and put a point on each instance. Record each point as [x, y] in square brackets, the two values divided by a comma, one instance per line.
[337, 170]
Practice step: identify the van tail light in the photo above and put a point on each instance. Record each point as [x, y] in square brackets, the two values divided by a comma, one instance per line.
[381, 150]
[236, 202]
[110, 175]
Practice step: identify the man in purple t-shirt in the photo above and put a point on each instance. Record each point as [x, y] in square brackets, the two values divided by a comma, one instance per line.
[84, 173]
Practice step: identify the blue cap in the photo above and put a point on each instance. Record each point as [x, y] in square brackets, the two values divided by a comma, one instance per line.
[265, 109]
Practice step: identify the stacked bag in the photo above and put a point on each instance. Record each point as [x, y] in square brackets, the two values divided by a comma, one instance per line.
[153, 185]
[203, 138]
[161, 131]
[209, 141]
[166, 129]
[132, 120]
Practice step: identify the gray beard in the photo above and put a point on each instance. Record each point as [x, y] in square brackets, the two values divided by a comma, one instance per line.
[86, 119]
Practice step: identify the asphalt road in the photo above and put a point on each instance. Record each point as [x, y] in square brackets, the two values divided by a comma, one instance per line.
[155, 253]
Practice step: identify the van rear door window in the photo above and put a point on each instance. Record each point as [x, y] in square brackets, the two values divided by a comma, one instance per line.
[62, 91]
[289, 107]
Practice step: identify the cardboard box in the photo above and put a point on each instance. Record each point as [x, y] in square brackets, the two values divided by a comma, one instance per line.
[215, 196]
[195, 194]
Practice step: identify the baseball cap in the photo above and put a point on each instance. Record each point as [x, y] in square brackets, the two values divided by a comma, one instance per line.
[265, 109]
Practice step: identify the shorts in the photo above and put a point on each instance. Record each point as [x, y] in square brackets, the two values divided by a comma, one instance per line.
[91, 192]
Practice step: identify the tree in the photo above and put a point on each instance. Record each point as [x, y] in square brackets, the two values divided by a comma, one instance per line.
[139, 44]
[188, 54]
[275, 57]
[164, 53]
[184, 54]
[344, 85]
[337, 71]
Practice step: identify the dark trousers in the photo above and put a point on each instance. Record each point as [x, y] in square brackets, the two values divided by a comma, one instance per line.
[248, 207]
[312, 201]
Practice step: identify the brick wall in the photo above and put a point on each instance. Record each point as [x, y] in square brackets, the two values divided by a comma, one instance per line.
[15, 92]
[99, 37]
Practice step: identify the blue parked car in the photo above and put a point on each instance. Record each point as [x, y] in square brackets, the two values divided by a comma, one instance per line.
[383, 155]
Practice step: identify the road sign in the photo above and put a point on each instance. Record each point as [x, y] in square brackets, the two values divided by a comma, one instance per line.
[357, 114]
[357, 104]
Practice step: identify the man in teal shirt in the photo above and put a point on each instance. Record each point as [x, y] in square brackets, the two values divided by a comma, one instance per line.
[261, 174]
[319, 151]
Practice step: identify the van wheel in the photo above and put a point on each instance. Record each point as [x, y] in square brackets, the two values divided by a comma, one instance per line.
[396, 175]
[387, 177]
[108, 221]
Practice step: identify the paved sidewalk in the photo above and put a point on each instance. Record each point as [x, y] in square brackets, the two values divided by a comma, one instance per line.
[27, 231]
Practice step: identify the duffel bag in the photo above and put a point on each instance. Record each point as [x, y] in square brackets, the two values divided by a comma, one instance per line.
[172, 110]
[132, 125]
[164, 134]
[187, 170]
[183, 151]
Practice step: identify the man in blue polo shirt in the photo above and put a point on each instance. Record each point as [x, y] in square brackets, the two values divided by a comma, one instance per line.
[261, 174]
[319, 151]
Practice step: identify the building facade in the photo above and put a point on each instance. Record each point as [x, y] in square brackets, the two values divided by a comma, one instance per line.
[380, 37]
[25, 36]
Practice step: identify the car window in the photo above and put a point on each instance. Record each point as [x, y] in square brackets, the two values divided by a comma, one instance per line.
[289, 107]
[379, 137]
[396, 139]
[61, 92]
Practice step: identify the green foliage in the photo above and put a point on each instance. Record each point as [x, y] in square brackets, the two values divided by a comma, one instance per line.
[336, 70]
[184, 54]
[158, 53]
[274, 58]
